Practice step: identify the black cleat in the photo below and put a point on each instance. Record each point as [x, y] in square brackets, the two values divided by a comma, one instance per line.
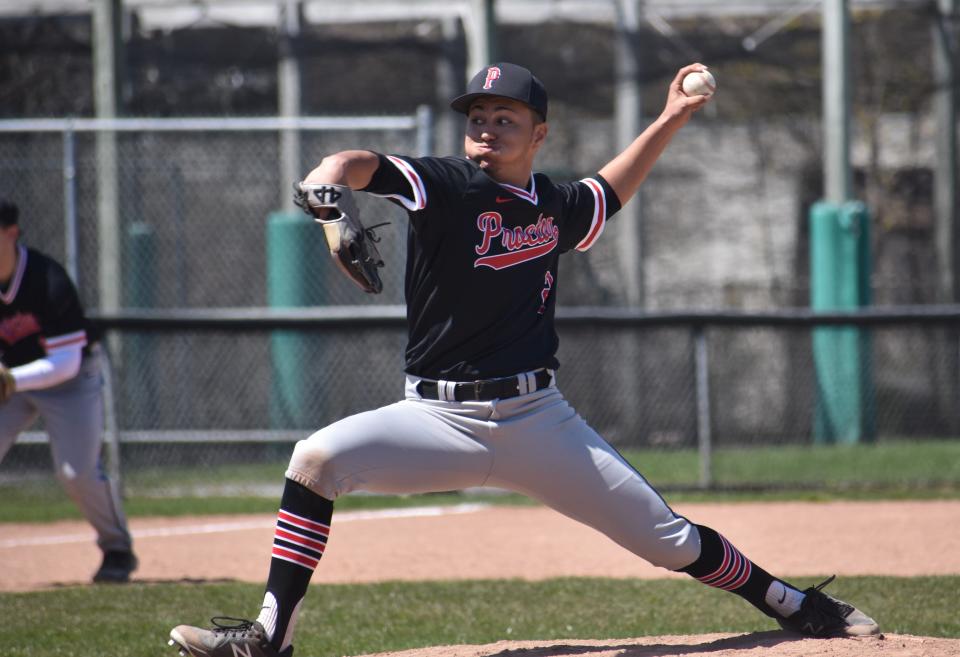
[244, 638]
[823, 616]
[116, 567]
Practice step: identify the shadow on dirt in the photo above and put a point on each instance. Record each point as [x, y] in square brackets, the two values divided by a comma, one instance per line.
[740, 642]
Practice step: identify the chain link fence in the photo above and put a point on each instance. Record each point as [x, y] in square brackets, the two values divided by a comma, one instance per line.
[193, 202]
[184, 218]
[208, 405]
[217, 410]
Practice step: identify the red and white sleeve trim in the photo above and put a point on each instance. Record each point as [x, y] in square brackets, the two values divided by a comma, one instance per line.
[417, 187]
[67, 340]
[599, 221]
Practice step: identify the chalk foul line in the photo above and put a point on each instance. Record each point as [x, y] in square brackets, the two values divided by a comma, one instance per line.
[246, 525]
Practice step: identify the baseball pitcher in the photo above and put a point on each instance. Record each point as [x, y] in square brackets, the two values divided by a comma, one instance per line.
[482, 405]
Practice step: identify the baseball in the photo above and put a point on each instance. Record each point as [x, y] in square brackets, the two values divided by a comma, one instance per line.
[699, 83]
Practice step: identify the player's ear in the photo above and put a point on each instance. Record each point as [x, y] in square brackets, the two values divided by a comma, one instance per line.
[539, 133]
[12, 231]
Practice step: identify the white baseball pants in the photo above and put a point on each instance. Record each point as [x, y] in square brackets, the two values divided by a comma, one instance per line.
[534, 444]
[72, 413]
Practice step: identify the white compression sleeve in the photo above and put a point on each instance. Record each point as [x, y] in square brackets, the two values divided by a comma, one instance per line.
[57, 367]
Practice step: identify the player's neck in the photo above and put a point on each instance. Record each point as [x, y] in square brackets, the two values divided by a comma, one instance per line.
[518, 178]
[8, 261]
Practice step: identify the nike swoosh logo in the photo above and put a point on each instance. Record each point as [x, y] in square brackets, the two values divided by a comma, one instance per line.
[505, 199]
[783, 597]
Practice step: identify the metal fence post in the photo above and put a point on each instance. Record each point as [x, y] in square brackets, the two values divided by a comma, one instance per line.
[424, 131]
[70, 203]
[704, 439]
[111, 435]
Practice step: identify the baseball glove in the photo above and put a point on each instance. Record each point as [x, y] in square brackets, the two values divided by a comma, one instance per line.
[8, 384]
[352, 245]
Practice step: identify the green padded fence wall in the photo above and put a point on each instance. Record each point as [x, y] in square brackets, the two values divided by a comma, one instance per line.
[840, 266]
[296, 259]
[140, 281]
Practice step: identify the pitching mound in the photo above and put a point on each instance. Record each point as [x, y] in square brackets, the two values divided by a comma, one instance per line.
[765, 644]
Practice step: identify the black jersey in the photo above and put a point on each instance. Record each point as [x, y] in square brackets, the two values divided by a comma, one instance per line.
[40, 311]
[482, 257]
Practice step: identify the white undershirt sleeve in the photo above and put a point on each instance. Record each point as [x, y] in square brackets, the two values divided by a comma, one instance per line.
[56, 367]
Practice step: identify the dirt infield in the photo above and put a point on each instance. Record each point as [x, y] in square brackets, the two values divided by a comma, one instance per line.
[758, 644]
[476, 542]
[479, 542]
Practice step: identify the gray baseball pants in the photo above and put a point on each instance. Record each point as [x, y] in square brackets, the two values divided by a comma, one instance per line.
[72, 414]
[534, 444]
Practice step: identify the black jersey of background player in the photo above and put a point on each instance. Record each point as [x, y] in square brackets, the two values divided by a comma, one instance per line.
[40, 310]
[482, 256]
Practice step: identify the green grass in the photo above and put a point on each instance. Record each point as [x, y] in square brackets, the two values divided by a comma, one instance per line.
[47, 503]
[349, 620]
[887, 470]
[134, 620]
[917, 463]
[929, 463]
[885, 464]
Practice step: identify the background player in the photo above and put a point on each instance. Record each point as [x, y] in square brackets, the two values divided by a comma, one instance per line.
[482, 406]
[51, 368]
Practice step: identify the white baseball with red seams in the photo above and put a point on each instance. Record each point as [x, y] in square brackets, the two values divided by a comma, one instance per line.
[699, 83]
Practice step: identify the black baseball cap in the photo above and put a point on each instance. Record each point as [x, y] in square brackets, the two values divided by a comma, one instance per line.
[507, 80]
[9, 213]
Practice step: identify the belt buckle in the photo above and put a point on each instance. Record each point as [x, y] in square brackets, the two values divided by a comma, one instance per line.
[477, 389]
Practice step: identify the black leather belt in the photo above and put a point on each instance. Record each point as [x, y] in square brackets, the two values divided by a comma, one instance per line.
[485, 390]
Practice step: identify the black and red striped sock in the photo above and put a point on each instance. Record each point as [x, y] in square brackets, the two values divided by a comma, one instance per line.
[723, 566]
[300, 537]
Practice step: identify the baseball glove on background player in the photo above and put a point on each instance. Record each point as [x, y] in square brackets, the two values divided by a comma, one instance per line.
[8, 385]
[352, 245]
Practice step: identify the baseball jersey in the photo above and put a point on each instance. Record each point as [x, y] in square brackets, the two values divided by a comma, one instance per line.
[40, 311]
[482, 259]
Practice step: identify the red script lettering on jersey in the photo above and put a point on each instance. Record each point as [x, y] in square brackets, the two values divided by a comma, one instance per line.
[545, 292]
[15, 328]
[522, 243]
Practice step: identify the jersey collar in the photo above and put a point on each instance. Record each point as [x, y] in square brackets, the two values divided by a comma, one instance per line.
[530, 196]
[481, 178]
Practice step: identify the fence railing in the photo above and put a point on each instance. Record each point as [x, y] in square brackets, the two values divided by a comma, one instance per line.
[703, 383]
